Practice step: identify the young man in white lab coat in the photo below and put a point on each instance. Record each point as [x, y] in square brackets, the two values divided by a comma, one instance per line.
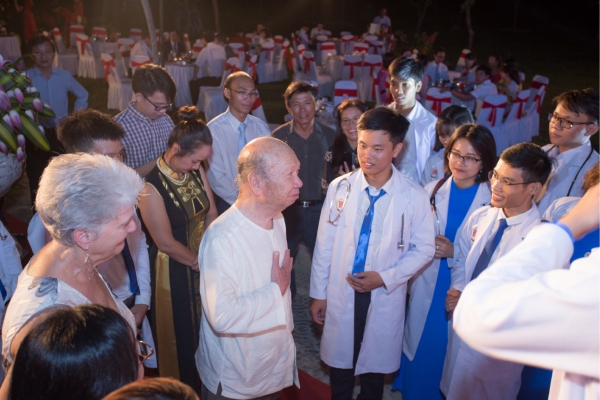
[491, 232]
[573, 122]
[405, 82]
[377, 233]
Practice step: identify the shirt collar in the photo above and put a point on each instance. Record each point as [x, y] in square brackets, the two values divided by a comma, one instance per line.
[235, 123]
[566, 156]
[517, 219]
[316, 127]
[138, 114]
[388, 187]
[34, 71]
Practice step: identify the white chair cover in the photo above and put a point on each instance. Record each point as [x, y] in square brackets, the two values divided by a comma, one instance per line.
[491, 115]
[436, 101]
[278, 39]
[138, 61]
[75, 30]
[513, 119]
[328, 49]
[530, 125]
[88, 67]
[371, 66]
[257, 110]
[376, 47]
[309, 70]
[281, 70]
[240, 53]
[344, 90]
[344, 33]
[186, 42]
[119, 88]
[125, 45]
[347, 44]
[135, 34]
[211, 99]
[360, 47]
[251, 70]
[537, 82]
[266, 67]
[461, 60]
[65, 59]
[99, 32]
[352, 68]
[197, 48]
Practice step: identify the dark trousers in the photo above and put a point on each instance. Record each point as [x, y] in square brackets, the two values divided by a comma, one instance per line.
[221, 204]
[38, 159]
[301, 222]
[342, 380]
[195, 87]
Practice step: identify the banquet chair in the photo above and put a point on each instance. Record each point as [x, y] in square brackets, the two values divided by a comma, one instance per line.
[370, 38]
[344, 90]
[197, 48]
[352, 68]
[211, 99]
[309, 70]
[249, 37]
[300, 52]
[490, 116]
[186, 43]
[257, 109]
[344, 33]
[384, 97]
[99, 33]
[251, 70]
[281, 69]
[88, 68]
[530, 124]
[266, 68]
[537, 82]
[119, 87]
[376, 47]
[360, 47]
[75, 30]
[240, 53]
[436, 101]
[513, 119]
[461, 60]
[347, 44]
[138, 61]
[327, 50]
[135, 34]
[278, 39]
[65, 59]
[321, 38]
[125, 45]
[371, 66]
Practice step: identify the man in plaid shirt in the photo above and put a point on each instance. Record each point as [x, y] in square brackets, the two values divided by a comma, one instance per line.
[147, 126]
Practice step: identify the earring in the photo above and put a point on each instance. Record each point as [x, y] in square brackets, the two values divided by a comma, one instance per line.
[479, 174]
[90, 269]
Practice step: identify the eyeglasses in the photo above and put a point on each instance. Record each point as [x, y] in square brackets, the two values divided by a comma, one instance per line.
[245, 95]
[146, 351]
[350, 121]
[467, 160]
[565, 123]
[42, 53]
[504, 181]
[158, 108]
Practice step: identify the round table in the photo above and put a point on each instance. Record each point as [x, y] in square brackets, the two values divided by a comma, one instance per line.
[9, 48]
[182, 75]
[334, 67]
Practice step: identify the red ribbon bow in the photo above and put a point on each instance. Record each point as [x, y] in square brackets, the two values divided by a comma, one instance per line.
[139, 64]
[339, 92]
[278, 40]
[372, 66]
[520, 103]
[124, 49]
[252, 66]
[307, 61]
[82, 43]
[269, 52]
[231, 67]
[537, 85]
[493, 113]
[436, 107]
[106, 65]
[76, 29]
[351, 65]
[257, 103]
[327, 47]
[198, 49]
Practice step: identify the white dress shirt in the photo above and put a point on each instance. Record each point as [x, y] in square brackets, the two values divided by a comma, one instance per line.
[211, 61]
[385, 20]
[526, 309]
[141, 49]
[223, 158]
[246, 342]
[480, 91]
[437, 71]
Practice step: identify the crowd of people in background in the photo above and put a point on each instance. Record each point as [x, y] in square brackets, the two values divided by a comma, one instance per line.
[167, 242]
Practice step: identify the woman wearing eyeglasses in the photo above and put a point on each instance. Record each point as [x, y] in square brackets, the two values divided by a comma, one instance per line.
[341, 158]
[177, 206]
[470, 155]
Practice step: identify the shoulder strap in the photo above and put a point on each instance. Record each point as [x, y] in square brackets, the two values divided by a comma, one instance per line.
[437, 187]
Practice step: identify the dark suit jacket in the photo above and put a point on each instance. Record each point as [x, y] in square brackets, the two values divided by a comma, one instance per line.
[166, 50]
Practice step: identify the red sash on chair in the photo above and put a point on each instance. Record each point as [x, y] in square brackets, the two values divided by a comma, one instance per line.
[290, 59]
[339, 92]
[124, 49]
[99, 32]
[257, 103]
[231, 67]
[56, 33]
[372, 66]
[82, 43]
[352, 65]
[252, 67]
[278, 40]
[538, 85]
[107, 65]
[269, 52]
[436, 105]
[538, 99]
[135, 64]
[307, 61]
[76, 29]
[325, 47]
[520, 103]
[492, 117]
[197, 49]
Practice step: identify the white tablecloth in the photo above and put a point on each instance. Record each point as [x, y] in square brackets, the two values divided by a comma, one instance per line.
[9, 48]
[334, 67]
[182, 75]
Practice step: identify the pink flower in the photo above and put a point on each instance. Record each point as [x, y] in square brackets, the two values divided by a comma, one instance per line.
[4, 101]
[19, 95]
[16, 119]
[3, 147]
[37, 103]
[6, 119]
[20, 154]
[21, 140]
[29, 114]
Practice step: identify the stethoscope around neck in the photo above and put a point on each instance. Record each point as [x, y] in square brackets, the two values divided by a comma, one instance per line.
[578, 171]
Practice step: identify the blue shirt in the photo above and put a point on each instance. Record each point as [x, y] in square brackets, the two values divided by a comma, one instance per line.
[54, 90]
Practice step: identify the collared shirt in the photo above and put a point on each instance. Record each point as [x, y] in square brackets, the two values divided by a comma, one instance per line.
[484, 89]
[145, 139]
[211, 61]
[54, 90]
[382, 20]
[381, 207]
[141, 49]
[223, 158]
[513, 223]
[437, 71]
[310, 153]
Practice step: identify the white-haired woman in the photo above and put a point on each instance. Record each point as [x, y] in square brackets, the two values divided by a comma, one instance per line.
[86, 202]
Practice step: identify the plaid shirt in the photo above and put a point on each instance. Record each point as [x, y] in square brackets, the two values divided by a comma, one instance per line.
[145, 139]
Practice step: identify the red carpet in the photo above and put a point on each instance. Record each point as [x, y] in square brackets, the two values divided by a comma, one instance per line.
[310, 389]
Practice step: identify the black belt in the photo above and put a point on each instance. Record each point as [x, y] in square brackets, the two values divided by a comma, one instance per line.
[306, 204]
[130, 301]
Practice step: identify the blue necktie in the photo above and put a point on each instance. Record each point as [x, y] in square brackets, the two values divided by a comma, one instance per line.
[130, 266]
[488, 250]
[3, 291]
[365, 233]
[241, 137]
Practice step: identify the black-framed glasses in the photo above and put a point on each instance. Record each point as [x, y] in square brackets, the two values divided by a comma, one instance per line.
[245, 95]
[350, 121]
[467, 160]
[146, 351]
[565, 123]
[158, 108]
[504, 181]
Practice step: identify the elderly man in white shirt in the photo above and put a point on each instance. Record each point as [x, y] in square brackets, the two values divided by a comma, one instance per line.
[528, 308]
[231, 131]
[483, 87]
[405, 82]
[246, 346]
[489, 233]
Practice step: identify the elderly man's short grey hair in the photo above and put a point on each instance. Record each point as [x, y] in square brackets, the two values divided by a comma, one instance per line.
[255, 163]
[84, 191]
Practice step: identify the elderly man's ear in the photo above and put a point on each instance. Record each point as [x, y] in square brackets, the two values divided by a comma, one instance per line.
[256, 184]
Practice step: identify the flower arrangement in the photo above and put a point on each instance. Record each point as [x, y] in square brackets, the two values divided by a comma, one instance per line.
[20, 111]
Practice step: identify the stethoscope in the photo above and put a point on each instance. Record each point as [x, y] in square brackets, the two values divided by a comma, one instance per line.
[578, 171]
[337, 204]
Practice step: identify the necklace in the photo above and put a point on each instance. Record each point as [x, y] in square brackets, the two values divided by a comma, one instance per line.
[167, 173]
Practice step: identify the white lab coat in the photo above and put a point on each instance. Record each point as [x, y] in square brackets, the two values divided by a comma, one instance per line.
[467, 373]
[334, 258]
[558, 185]
[422, 285]
[434, 168]
[525, 309]
[418, 142]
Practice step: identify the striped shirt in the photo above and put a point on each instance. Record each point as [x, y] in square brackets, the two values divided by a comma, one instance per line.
[145, 139]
